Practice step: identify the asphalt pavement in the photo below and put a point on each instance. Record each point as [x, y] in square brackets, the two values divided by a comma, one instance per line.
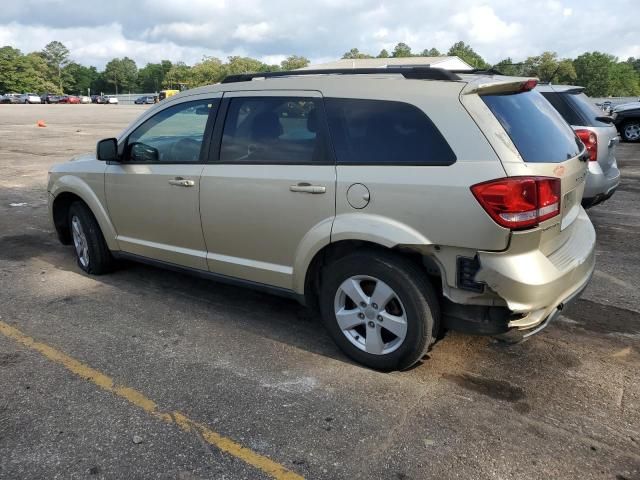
[146, 373]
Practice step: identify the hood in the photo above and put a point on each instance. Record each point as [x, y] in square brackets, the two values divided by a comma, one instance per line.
[83, 157]
[627, 106]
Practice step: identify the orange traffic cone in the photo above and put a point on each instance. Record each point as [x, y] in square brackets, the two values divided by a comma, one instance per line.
[40, 123]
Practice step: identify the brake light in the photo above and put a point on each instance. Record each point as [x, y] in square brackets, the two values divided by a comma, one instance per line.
[590, 141]
[528, 85]
[519, 202]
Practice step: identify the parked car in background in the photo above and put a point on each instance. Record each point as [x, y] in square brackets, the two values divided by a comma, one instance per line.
[597, 132]
[167, 93]
[85, 99]
[69, 99]
[626, 118]
[29, 98]
[149, 99]
[111, 99]
[395, 203]
[49, 98]
[97, 99]
[10, 98]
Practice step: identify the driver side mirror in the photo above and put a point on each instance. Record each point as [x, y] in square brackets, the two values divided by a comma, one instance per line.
[107, 150]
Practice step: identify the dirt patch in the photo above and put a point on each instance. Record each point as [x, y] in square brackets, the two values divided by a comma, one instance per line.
[600, 318]
[498, 389]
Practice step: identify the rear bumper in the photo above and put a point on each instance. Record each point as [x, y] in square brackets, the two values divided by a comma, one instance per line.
[600, 185]
[533, 284]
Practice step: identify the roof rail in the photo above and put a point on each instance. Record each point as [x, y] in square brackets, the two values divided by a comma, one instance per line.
[414, 73]
[487, 71]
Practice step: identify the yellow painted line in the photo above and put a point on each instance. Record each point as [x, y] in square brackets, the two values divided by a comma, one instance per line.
[138, 399]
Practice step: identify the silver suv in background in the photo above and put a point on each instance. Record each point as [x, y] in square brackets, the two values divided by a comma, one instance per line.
[396, 202]
[597, 132]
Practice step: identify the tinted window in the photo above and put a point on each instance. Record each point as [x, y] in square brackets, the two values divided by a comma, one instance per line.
[385, 132]
[560, 104]
[589, 111]
[538, 131]
[273, 130]
[173, 135]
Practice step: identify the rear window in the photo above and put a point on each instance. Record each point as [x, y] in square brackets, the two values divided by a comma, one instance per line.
[385, 133]
[537, 130]
[588, 110]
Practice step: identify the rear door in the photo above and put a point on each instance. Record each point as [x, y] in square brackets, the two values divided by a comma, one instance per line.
[269, 185]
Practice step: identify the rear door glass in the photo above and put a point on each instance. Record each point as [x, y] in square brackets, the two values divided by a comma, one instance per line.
[537, 130]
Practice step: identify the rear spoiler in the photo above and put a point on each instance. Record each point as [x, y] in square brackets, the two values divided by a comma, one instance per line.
[490, 85]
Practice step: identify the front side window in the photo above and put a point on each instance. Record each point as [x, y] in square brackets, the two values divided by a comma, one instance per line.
[385, 133]
[273, 130]
[173, 135]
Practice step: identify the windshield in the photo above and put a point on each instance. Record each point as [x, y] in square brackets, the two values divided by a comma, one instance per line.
[537, 130]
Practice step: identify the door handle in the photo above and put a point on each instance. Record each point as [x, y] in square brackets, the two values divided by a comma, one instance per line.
[182, 182]
[308, 188]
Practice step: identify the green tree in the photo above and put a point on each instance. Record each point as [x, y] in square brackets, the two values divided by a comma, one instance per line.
[401, 50]
[635, 63]
[593, 71]
[150, 77]
[237, 65]
[78, 78]
[209, 70]
[354, 54]
[548, 68]
[294, 62]
[57, 56]
[23, 73]
[623, 80]
[179, 73]
[430, 52]
[507, 67]
[383, 53]
[468, 54]
[122, 73]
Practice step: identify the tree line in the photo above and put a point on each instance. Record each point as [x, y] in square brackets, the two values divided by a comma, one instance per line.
[52, 70]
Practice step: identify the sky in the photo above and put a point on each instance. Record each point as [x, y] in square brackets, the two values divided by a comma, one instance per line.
[96, 31]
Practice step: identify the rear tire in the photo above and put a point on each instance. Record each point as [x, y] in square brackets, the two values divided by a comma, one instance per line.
[630, 131]
[395, 332]
[92, 254]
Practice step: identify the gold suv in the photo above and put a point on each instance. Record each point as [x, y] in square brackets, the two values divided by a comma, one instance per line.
[397, 202]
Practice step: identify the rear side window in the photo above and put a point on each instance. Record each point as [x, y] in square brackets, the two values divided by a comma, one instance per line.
[565, 109]
[274, 130]
[384, 133]
[537, 130]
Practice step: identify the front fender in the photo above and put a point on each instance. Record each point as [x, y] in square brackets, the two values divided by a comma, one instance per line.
[77, 186]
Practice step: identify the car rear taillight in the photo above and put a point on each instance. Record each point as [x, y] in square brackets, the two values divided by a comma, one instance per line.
[519, 202]
[590, 141]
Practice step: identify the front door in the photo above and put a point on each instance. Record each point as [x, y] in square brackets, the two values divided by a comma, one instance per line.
[269, 187]
[153, 192]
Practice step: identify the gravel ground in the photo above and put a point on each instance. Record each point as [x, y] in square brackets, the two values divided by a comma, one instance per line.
[260, 370]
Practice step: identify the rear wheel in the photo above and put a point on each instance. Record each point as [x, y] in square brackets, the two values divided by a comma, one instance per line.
[379, 308]
[92, 254]
[631, 131]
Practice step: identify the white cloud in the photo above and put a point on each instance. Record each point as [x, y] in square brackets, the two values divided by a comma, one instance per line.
[252, 33]
[323, 29]
[484, 26]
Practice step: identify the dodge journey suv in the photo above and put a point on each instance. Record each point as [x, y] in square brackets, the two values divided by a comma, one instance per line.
[395, 202]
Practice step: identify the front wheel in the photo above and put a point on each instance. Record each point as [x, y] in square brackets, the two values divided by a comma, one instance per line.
[92, 254]
[631, 131]
[380, 309]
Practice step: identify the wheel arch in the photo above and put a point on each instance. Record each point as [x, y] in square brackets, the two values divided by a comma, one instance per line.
[69, 189]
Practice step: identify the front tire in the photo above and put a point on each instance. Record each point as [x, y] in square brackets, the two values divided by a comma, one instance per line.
[630, 131]
[92, 254]
[380, 309]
